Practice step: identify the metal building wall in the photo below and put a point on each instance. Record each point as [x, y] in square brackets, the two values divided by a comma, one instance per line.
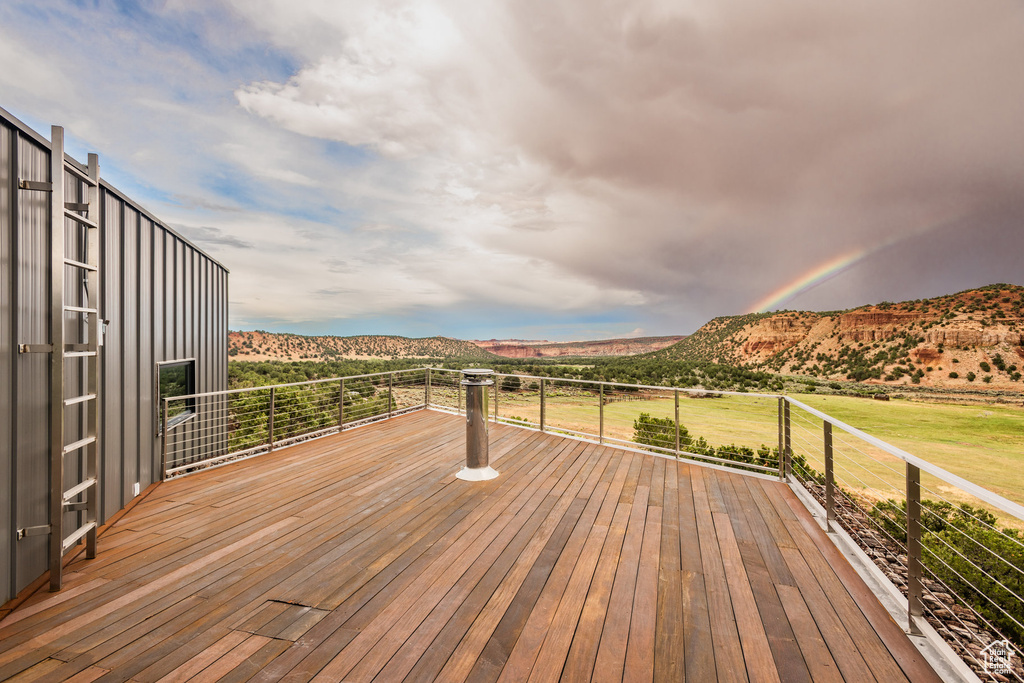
[165, 300]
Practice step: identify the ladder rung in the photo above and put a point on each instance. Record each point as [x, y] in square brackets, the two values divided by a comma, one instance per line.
[72, 447]
[80, 354]
[72, 540]
[75, 490]
[35, 185]
[79, 264]
[79, 173]
[80, 309]
[80, 219]
[79, 399]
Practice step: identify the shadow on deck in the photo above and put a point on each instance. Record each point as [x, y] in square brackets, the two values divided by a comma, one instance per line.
[361, 557]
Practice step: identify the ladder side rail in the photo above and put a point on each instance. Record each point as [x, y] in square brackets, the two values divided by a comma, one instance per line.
[56, 357]
[92, 252]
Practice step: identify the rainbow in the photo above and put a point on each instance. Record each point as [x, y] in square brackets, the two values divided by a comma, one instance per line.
[812, 278]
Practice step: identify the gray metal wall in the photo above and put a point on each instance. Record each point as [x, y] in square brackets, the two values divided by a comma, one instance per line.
[165, 300]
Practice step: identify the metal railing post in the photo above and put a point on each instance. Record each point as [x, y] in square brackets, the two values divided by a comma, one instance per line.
[341, 404]
[677, 422]
[426, 391]
[830, 503]
[914, 591]
[782, 441]
[163, 446]
[270, 422]
[789, 442]
[391, 384]
[496, 399]
[600, 436]
[459, 390]
[542, 404]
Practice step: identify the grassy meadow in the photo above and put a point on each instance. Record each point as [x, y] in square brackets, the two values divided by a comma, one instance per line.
[983, 444]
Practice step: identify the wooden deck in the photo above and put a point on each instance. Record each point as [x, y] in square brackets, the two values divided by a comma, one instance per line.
[361, 557]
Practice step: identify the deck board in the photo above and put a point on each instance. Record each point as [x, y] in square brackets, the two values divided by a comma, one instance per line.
[359, 556]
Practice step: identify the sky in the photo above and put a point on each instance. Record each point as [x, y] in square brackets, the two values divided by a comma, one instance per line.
[556, 169]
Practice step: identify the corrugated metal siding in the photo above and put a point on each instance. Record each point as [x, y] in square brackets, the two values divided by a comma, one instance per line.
[165, 300]
[8, 192]
[31, 460]
[112, 388]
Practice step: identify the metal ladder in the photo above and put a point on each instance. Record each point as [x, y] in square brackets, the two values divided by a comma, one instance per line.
[82, 497]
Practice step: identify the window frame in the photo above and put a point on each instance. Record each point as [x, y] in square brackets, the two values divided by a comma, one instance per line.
[190, 382]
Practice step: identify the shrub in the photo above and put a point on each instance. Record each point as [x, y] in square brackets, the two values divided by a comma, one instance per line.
[659, 432]
[971, 376]
[985, 367]
[954, 375]
[966, 551]
[511, 383]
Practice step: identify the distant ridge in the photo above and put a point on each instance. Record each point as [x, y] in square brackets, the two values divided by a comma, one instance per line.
[972, 338]
[520, 348]
[262, 346]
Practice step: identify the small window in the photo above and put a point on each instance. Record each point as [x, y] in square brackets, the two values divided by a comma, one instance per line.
[175, 378]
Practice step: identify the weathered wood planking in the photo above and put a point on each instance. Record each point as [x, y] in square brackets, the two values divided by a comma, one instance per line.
[361, 557]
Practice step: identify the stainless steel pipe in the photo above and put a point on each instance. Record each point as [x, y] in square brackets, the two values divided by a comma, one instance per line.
[476, 382]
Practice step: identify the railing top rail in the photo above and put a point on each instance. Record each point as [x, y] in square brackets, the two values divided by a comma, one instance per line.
[328, 380]
[717, 392]
[993, 499]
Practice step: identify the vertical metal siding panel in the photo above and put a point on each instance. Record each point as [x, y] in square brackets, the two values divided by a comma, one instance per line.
[145, 346]
[31, 454]
[220, 339]
[179, 300]
[8, 207]
[113, 407]
[159, 297]
[208, 323]
[103, 453]
[106, 453]
[200, 335]
[172, 297]
[158, 341]
[221, 351]
[188, 314]
[130, 351]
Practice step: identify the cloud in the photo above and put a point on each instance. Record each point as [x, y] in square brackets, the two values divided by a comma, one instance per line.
[211, 236]
[659, 162]
[675, 150]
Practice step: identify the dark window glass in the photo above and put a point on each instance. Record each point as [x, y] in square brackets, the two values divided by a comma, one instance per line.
[176, 378]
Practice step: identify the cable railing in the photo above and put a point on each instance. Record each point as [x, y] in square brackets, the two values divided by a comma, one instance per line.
[951, 547]
[217, 427]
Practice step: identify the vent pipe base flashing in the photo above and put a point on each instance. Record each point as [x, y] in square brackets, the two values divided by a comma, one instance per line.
[477, 473]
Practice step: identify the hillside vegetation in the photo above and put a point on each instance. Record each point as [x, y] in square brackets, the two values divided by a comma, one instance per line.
[263, 346]
[519, 348]
[972, 338]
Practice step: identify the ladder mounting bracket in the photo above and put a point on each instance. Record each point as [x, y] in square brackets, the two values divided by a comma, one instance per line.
[35, 348]
[36, 185]
[43, 530]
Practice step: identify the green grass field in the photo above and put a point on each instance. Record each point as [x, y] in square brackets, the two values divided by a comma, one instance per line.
[983, 444]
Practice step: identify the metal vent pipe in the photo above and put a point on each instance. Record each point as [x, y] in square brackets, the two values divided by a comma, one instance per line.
[476, 382]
